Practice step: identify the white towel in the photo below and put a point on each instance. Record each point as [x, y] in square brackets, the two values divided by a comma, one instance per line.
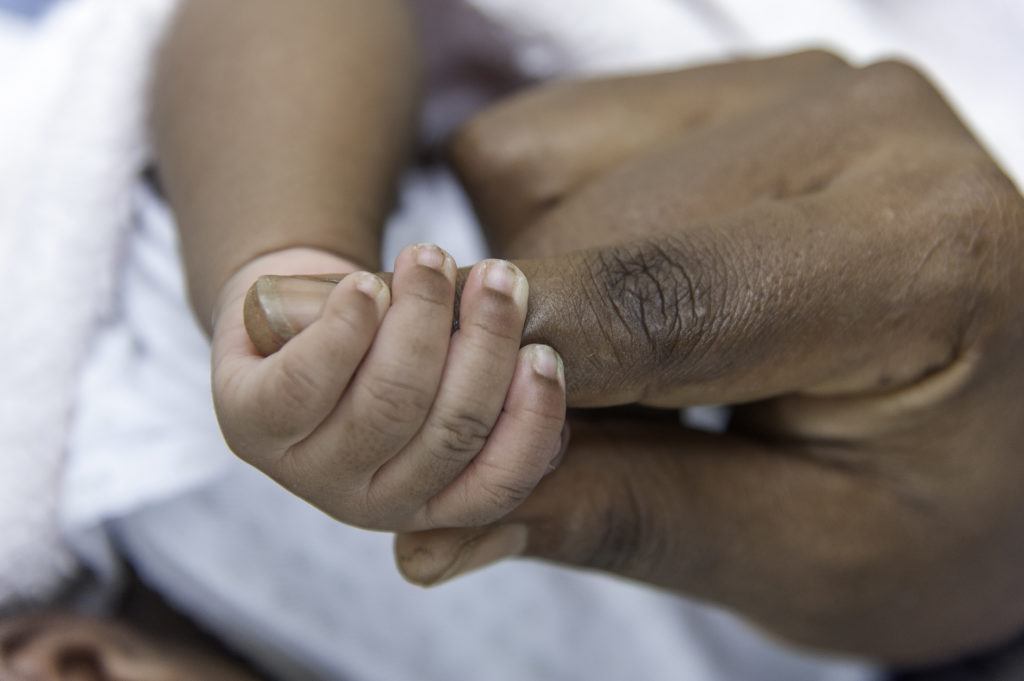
[71, 148]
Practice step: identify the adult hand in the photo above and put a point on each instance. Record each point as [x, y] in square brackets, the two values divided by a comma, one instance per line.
[826, 245]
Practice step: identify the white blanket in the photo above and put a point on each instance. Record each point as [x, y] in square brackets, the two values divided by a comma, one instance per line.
[72, 146]
[105, 410]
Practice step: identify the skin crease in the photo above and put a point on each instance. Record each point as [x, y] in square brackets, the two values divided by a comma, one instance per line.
[840, 259]
[280, 130]
[407, 419]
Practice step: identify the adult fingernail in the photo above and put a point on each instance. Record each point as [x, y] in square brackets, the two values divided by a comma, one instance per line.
[548, 364]
[290, 304]
[488, 548]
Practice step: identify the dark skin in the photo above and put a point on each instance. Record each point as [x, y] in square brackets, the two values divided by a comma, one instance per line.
[828, 248]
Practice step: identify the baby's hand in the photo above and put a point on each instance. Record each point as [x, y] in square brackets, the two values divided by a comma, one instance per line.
[375, 412]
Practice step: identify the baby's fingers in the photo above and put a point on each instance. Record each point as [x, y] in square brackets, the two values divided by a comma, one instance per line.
[478, 371]
[523, 447]
[285, 396]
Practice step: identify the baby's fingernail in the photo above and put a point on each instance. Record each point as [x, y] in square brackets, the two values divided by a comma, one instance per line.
[429, 255]
[492, 546]
[505, 278]
[548, 364]
[500, 276]
[373, 287]
[292, 303]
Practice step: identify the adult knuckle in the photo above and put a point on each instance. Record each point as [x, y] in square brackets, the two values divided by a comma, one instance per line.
[821, 57]
[896, 72]
[990, 191]
[981, 221]
[972, 205]
[504, 150]
[954, 219]
[894, 81]
[481, 146]
[661, 293]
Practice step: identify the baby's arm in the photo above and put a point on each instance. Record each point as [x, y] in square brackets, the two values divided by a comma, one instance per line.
[282, 125]
[280, 128]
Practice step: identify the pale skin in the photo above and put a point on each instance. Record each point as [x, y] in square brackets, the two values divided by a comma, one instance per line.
[828, 246]
[377, 414]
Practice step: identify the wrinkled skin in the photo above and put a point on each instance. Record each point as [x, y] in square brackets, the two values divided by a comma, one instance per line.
[829, 248]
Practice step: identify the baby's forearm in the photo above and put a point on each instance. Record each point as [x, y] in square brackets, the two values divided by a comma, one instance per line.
[282, 124]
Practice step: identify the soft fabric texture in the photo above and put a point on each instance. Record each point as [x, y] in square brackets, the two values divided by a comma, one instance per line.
[106, 418]
[72, 146]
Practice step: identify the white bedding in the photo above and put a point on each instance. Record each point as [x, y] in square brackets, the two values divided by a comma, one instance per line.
[105, 416]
